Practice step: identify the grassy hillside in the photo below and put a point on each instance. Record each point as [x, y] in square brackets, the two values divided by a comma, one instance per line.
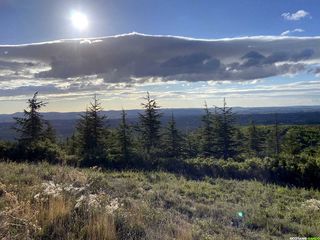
[52, 202]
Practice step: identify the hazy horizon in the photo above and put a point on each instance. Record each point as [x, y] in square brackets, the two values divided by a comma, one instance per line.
[44, 110]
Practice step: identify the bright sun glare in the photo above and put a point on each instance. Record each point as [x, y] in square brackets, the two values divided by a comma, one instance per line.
[79, 20]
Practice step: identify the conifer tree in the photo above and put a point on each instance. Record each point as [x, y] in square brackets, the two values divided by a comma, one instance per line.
[172, 140]
[208, 133]
[276, 137]
[36, 136]
[50, 132]
[254, 140]
[273, 139]
[124, 138]
[31, 127]
[72, 144]
[224, 127]
[91, 130]
[241, 141]
[192, 147]
[149, 126]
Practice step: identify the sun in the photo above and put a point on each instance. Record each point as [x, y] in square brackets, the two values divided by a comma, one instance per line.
[79, 20]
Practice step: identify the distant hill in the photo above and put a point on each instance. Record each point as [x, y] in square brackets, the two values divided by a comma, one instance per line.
[187, 118]
[115, 114]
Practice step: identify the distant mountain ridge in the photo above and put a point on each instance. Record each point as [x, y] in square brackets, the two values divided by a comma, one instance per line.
[132, 113]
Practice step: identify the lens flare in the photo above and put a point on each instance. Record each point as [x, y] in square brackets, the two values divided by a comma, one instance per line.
[79, 20]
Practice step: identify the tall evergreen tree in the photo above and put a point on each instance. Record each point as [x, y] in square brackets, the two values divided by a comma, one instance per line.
[224, 127]
[31, 127]
[72, 144]
[276, 137]
[254, 140]
[91, 132]
[50, 132]
[241, 141]
[192, 140]
[172, 140]
[124, 138]
[150, 124]
[208, 133]
[36, 138]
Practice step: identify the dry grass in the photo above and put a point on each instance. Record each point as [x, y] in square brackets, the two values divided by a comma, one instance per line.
[100, 226]
[149, 206]
[184, 233]
[18, 221]
[52, 209]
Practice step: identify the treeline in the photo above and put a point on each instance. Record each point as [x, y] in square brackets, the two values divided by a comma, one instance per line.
[219, 148]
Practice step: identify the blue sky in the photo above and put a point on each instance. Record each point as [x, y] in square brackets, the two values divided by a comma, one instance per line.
[43, 20]
[246, 77]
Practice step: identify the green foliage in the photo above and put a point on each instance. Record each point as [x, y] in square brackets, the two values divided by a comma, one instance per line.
[5, 150]
[208, 133]
[149, 127]
[50, 133]
[172, 140]
[274, 140]
[302, 170]
[226, 146]
[278, 154]
[37, 140]
[31, 126]
[71, 145]
[91, 133]
[124, 139]
[255, 144]
[254, 168]
[192, 147]
[37, 151]
[301, 139]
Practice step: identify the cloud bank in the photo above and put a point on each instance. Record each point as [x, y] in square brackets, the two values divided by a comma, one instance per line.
[121, 58]
[91, 64]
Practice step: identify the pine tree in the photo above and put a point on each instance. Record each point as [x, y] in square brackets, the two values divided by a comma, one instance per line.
[124, 138]
[91, 132]
[149, 127]
[31, 127]
[36, 136]
[241, 141]
[273, 139]
[50, 132]
[224, 120]
[192, 140]
[172, 140]
[276, 137]
[208, 138]
[71, 144]
[254, 140]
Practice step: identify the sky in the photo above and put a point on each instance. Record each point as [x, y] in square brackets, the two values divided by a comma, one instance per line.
[184, 52]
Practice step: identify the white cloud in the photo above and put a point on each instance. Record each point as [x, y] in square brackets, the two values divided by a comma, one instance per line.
[288, 32]
[295, 16]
